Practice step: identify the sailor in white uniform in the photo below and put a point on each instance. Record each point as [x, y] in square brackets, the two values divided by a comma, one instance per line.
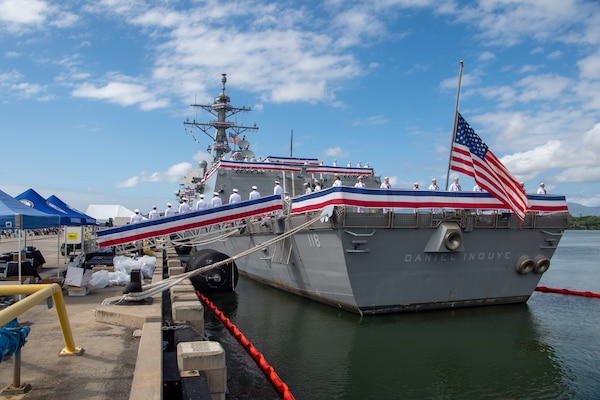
[541, 189]
[136, 218]
[359, 184]
[153, 214]
[235, 197]
[184, 207]
[337, 181]
[307, 189]
[434, 185]
[455, 187]
[386, 183]
[202, 204]
[169, 212]
[216, 200]
[254, 194]
[277, 189]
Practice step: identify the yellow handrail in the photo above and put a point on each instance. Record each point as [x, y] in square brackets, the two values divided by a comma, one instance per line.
[36, 293]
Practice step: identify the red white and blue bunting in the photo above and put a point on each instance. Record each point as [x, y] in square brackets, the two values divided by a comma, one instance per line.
[415, 199]
[192, 220]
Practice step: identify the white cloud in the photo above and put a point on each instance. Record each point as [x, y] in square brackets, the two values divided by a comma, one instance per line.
[543, 87]
[172, 175]
[486, 56]
[125, 94]
[336, 152]
[372, 120]
[128, 183]
[508, 22]
[23, 12]
[20, 16]
[590, 66]
[577, 160]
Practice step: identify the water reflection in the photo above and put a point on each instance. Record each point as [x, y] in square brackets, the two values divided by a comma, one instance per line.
[321, 352]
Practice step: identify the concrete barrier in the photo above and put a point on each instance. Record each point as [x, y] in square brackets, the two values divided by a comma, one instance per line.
[205, 356]
[147, 376]
[191, 312]
[184, 296]
[176, 270]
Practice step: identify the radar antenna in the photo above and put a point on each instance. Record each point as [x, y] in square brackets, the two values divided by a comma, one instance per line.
[222, 110]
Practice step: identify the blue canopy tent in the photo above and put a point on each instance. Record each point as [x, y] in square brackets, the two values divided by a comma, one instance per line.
[34, 200]
[12, 210]
[18, 216]
[76, 216]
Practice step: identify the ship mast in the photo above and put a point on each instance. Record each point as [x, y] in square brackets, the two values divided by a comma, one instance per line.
[222, 110]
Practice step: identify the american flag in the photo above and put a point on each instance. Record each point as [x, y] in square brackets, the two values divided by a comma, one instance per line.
[233, 138]
[472, 157]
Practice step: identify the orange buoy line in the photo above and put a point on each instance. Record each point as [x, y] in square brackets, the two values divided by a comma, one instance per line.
[566, 291]
[260, 360]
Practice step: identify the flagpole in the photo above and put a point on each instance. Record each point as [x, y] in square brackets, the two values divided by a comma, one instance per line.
[291, 173]
[455, 122]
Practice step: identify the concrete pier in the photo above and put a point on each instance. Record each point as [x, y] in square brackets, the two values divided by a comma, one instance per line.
[122, 343]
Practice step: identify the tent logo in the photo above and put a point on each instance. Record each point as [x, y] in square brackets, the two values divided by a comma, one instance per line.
[28, 203]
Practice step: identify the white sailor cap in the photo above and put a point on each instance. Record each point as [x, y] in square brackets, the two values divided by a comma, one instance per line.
[201, 196]
[184, 199]
[254, 187]
[277, 182]
[235, 190]
[169, 204]
[137, 211]
[305, 184]
[215, 193]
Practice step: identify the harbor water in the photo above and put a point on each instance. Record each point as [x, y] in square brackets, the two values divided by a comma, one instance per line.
[548, 348]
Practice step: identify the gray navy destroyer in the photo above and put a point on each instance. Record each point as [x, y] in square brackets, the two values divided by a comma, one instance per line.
[368, 250]
[366, 255]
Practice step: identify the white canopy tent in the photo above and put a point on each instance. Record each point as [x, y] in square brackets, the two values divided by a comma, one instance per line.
[104, 212]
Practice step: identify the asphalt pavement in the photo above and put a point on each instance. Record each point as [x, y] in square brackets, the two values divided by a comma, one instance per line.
[106, 367]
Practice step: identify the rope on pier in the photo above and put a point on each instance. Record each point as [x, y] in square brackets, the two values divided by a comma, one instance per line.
[158, 287]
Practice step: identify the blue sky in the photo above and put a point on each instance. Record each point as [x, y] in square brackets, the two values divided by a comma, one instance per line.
[93, 95]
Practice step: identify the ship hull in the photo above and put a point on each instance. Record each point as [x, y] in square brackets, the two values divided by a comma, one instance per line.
[392, 263]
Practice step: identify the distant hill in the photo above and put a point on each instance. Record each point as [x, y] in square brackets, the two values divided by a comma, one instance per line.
[578, 210]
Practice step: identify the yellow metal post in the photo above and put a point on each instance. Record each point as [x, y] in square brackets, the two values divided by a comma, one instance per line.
[36, 293]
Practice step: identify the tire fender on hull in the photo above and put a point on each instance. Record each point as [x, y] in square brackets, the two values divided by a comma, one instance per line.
[525, 265]
[218, 279]
[541, 264]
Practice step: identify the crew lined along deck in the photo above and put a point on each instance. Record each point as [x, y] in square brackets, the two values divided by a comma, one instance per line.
[371, 202]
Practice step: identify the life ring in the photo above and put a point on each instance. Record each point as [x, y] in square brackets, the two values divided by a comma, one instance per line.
[218, 279]
[525, 265]
[541, 265]
[452, 240]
